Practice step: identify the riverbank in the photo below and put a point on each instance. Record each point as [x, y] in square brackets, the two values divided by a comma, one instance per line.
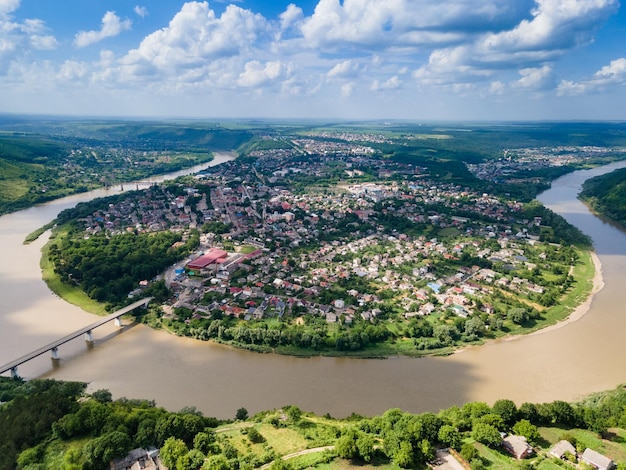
[587, 273]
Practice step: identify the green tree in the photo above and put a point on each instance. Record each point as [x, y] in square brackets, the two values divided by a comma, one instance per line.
[525, 428]
[204, 441]
[486, 434]
[469, 452]
[216, 462]
[403, 457]
[255, 436]
[172, 450]
[507, 410]
[242, 414]
[346, 446]
[449, 436]
[365, 445]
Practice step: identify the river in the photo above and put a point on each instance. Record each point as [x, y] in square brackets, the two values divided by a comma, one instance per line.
[137, 362]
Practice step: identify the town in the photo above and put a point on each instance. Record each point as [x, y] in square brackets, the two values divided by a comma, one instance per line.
[328, 237]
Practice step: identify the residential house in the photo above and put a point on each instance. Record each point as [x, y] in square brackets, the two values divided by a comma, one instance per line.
[597, 460]
[561, 448]
[517, 446]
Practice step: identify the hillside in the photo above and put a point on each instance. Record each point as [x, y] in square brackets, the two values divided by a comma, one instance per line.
[55, 425]
[606, 194]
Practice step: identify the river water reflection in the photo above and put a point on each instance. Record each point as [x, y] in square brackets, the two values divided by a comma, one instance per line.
[566, 363]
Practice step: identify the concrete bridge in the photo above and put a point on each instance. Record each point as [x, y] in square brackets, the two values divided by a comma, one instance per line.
[53, 347]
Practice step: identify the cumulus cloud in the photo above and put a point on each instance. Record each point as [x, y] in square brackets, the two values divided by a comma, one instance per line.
[18, 38]
[290, 17]
[141, 11]
[344, 69]
[538, 78]
[390, 84]
[607, 77]
[112, 26]
[195, 36]
[384, 23]
[257, 74]
[554, 28]
[347, 89]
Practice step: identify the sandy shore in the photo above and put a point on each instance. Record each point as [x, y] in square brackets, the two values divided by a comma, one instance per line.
[577, 314]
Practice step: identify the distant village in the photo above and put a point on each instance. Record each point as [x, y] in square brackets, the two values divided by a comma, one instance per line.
[330, 229]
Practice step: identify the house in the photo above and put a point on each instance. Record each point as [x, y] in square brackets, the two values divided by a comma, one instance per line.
[517, 446]
[597, 460]
[138, 459]
[560, 448]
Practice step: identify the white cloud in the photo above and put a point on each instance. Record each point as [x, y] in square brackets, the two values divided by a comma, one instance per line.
[555, 28]
[194, 37]
[400, 23]
[17, 38]
[496, 88]
[347, 89]
[390, 84]
[290, 17]
[140, 11]
[112, 26]
[539, 78]
[346, 68]
[8, 6]
[606, 78]
[257, 74]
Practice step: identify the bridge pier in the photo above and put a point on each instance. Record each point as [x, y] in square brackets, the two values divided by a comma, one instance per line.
[118, 322]
[54, 353]
[89, 336]
[14, 374]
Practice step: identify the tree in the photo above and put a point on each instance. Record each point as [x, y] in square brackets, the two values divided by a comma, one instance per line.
[172, 450]
[102, 395]
[507, 410]
[101, 450]
[216, 462]
[204, 441]
[525, 428]
[293, 412]
[517, 315]
[255, 436]
[469, 452]
[242, 414]
[403, 456]
[449, 436]
[365, 445]
[346, 446]
[486, 434]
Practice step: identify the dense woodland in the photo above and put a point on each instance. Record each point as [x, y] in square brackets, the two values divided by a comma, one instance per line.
[47, 424]
[606, 194]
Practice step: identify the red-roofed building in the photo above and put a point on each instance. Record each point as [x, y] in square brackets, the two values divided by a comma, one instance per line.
[210, 257]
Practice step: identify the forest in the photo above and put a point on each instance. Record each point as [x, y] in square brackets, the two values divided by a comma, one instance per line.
[606, 194]
[48, 424]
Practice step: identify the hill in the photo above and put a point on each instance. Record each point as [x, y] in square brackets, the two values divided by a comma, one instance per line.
[56, 425]
[606, 195]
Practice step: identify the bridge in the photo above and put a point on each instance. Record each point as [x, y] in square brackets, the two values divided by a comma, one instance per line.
[53, 347]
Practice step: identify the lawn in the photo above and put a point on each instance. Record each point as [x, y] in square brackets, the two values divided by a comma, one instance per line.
[614, 448]
[70, 294]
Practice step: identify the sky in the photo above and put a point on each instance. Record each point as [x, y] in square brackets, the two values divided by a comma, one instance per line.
[345, 59]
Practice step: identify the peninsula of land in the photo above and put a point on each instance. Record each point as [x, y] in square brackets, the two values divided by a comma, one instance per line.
[330, 243]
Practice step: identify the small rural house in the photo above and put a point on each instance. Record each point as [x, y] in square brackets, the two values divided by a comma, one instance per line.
[517, 446]
[597, 460]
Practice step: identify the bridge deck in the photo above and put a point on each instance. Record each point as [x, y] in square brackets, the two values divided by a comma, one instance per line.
[38, 352]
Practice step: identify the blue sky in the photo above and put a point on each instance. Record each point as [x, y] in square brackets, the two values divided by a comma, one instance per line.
[348, 59]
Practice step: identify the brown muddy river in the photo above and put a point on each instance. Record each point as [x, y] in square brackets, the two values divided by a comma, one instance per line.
[581, 357]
